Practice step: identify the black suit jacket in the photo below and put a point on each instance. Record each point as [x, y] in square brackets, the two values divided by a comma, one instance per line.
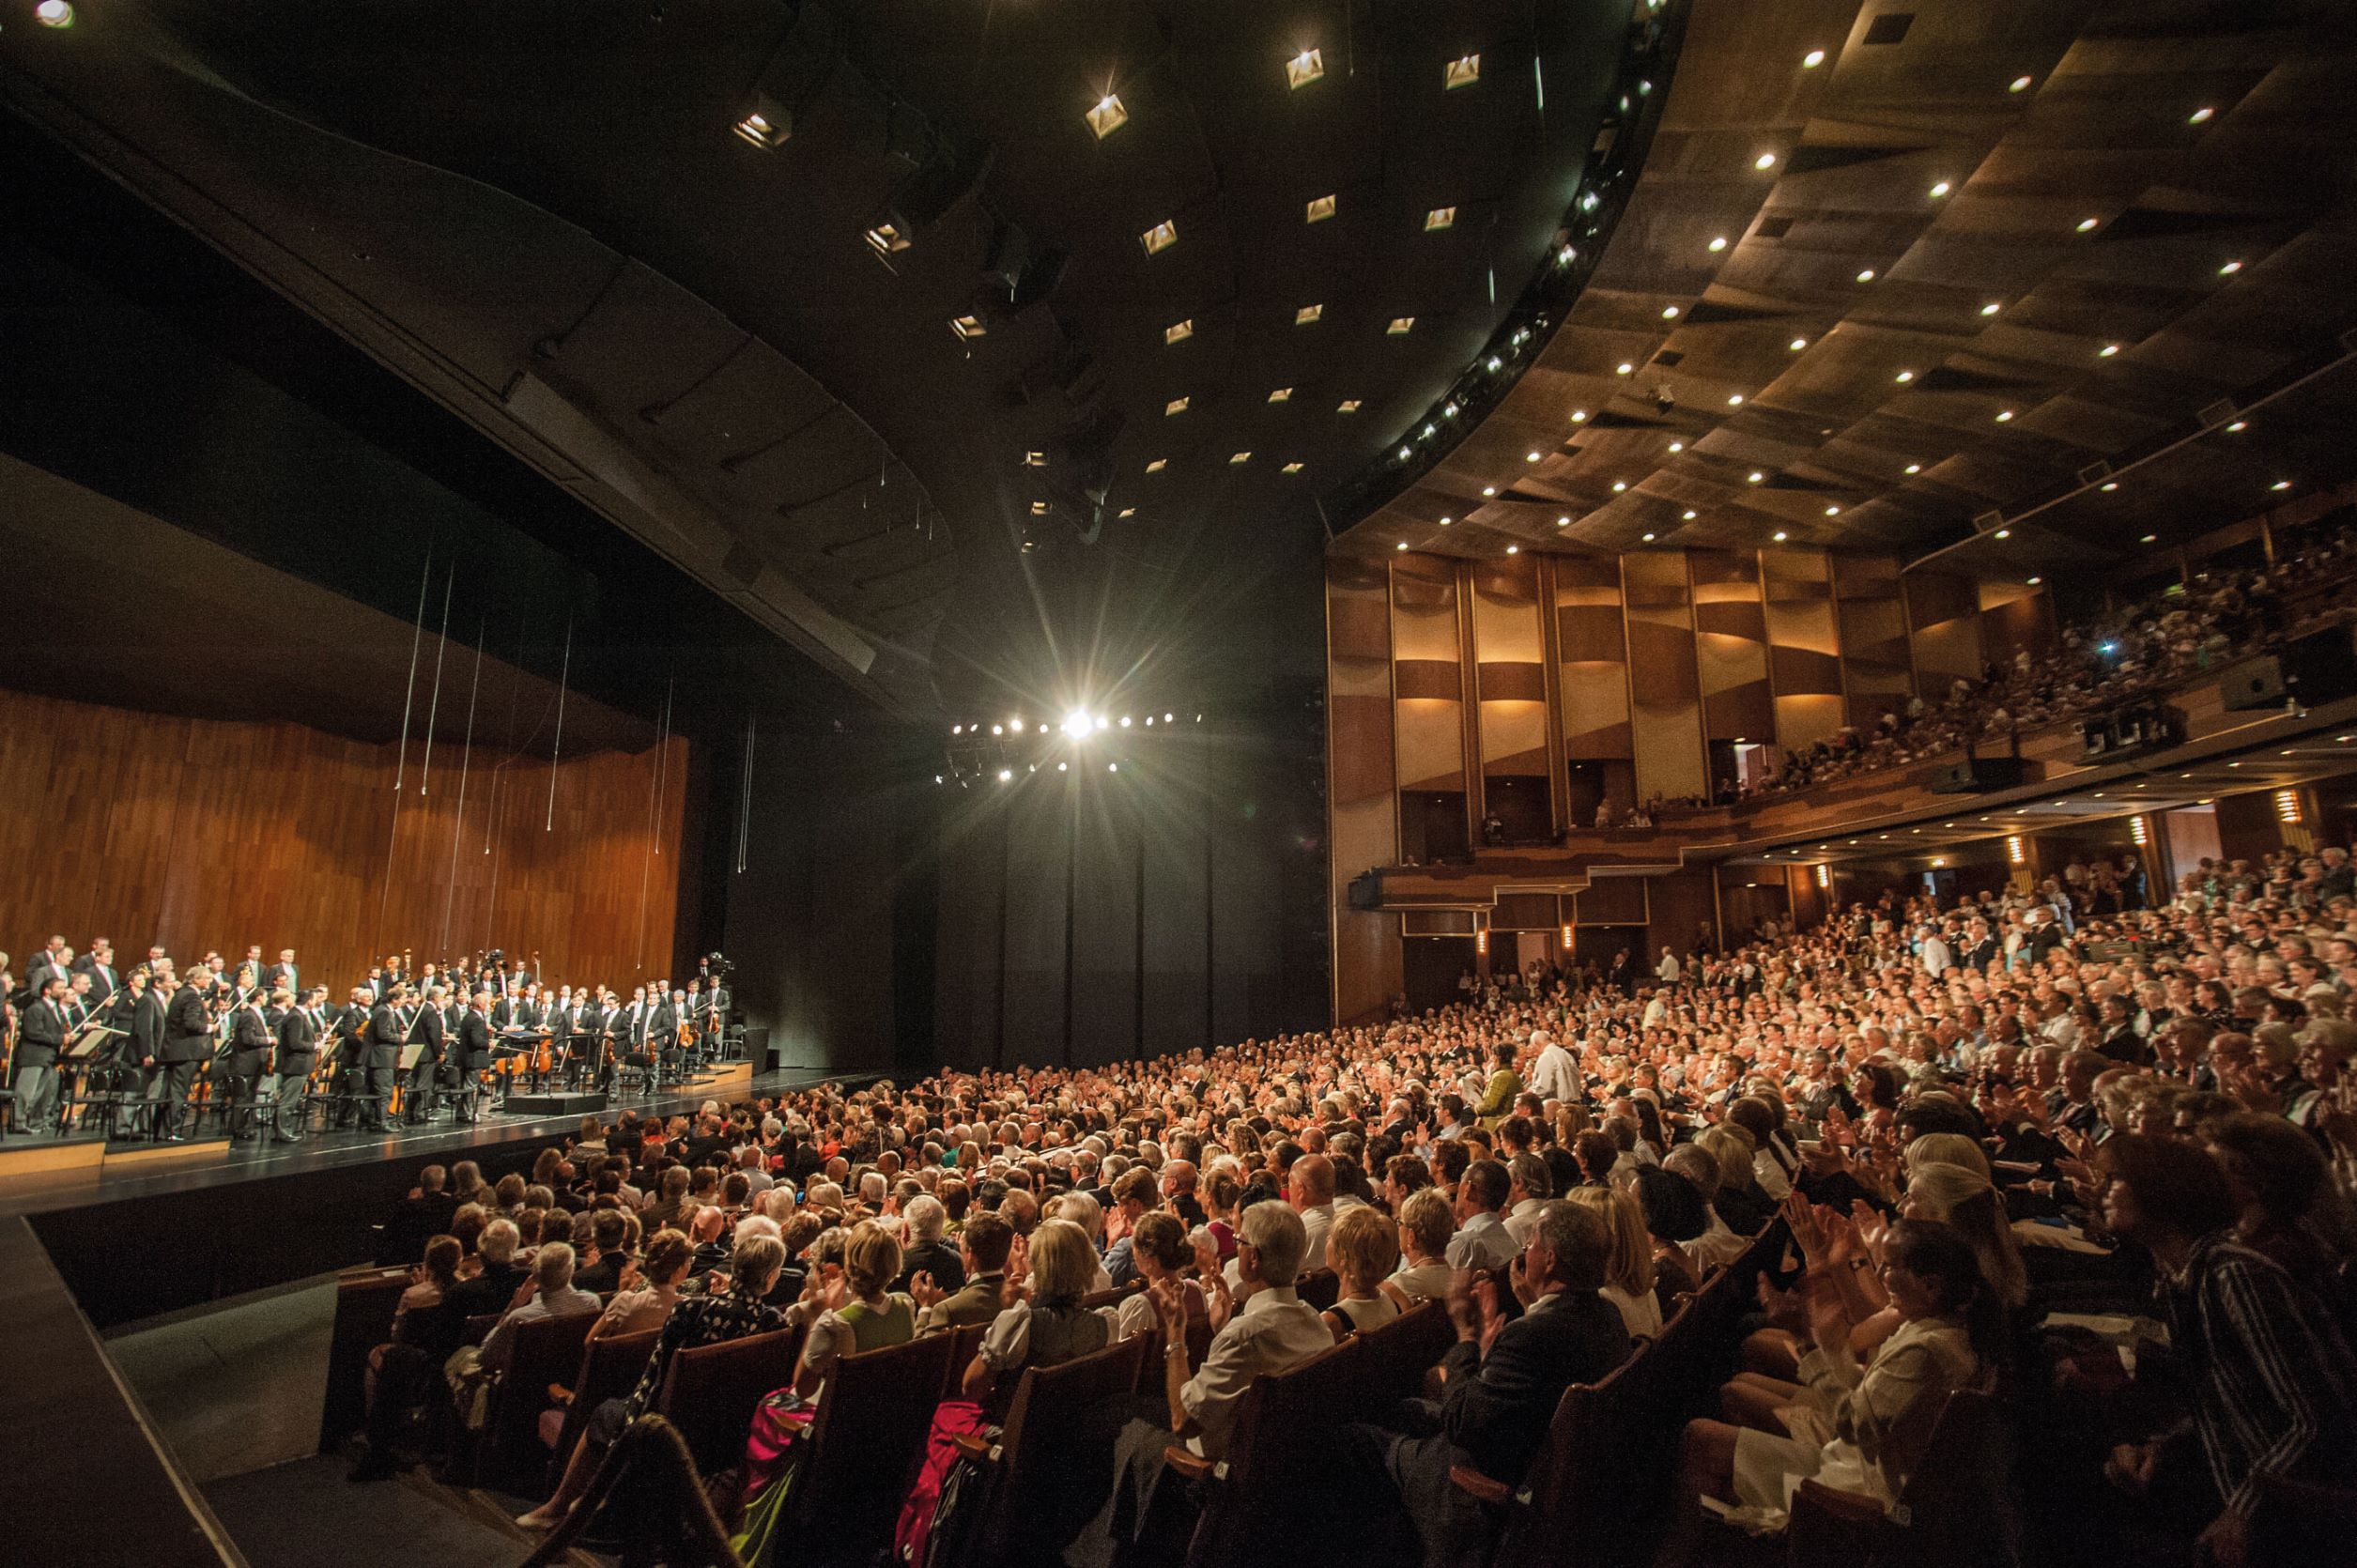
[187, 1028]
[298, 1043]
[41, 1034]
[386, 1035]
[146, 1028]
[1498, 1407]
[250, 1041]
[475, 1042]
[426, 1030]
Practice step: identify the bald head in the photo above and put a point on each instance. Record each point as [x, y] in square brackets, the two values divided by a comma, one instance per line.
[1311, 1181]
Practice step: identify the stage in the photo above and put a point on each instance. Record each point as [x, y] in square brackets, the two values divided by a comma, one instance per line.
[160, 1232]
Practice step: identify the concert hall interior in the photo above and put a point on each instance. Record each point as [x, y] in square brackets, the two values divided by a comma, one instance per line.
[768, 768]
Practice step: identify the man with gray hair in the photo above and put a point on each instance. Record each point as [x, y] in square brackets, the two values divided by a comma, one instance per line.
[554, 1294]
[926, 1252]
[1264, 1326]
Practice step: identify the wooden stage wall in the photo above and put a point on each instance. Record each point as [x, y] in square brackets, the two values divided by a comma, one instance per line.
[203, 834]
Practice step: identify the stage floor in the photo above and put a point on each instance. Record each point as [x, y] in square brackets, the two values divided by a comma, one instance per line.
[206, 1166]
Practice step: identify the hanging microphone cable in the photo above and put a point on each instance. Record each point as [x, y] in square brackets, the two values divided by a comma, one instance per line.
[556, 751]
[457, 826]
[441, 650]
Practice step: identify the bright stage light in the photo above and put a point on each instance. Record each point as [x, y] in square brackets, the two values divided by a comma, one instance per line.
[1076, 724]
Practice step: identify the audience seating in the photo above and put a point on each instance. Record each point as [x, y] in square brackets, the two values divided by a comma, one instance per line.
[1044, 1475]
[544, 1351]
[366, 1302]
[609, 1369]
[965, 1345]
[856, 1462]
[1278, 1465]
[1320, 1287]
[710, 1392]
[1957, 1502]
[1400, 1354]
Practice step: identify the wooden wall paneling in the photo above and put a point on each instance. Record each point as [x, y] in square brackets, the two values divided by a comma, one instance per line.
[201, 833]
[1509, 648]
[1468, 705]
[1731, 646]
[1428, 720]
[1362, 808]
[1665, 702]
[2015, 619]
[1876, 671]
[1943, 630]
[1804, 646]
[1551, 693]
[1592, 666]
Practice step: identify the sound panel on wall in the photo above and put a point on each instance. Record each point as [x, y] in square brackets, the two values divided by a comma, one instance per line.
[1039, 825]
[1105, 920]
[1664, 706]
[1178, 1000]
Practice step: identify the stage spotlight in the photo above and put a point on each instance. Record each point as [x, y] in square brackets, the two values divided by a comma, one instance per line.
[1113, 767]
[1149, 721]
[1125, 721]
[1101, 722]
[1016, 724]
[53, 13]
[1006, 774]
[1167, 720]
[998, 729]
[1076, 724]
[957, 729]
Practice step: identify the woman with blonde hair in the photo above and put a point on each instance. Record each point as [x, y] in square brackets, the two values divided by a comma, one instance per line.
[1628, 1269]
[1740, 1200]
[1948, 1148]
[1045, 1325]
[1361, 1248]
[859, 1308]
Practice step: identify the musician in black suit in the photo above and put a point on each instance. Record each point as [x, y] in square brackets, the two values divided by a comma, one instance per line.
[99, 963]
[188, 1043]
[249, 1041]
[283, 974]
[300, 1030]
[40, 1035]
[472, 1054]
[387, 1028]
[139, 1013]
[663, 1028]
[424, 1028]
[1499, 1402]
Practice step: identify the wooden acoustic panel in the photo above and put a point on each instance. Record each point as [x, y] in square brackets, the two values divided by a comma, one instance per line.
[202, 834]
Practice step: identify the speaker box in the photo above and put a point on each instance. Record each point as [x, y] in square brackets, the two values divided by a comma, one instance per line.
[1977, 774]
[1366, 890]
[2320, 668]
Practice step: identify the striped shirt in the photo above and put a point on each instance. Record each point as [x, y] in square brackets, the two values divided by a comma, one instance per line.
[2274, 1385]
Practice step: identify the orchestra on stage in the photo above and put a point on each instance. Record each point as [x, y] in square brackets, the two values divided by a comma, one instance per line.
[150, 1051]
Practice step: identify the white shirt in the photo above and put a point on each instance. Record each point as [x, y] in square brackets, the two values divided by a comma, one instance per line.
[1520, 1220]
[1936, 957]
[1275, 1329]
[1424, 1282]
[1555, 1075]
[1317, 1222]
[1667, 970]
[1641, 1313]
[1482, 1242]
[1715, 1246]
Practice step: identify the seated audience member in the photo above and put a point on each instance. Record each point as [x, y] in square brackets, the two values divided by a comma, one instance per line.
[1425, 1224]
[1264, 1326]
[1628, 1265]
[493, 1285]
[1856, 1427]
[926, 1253]
[1310, 1188]
[859, 1309]
[983, 1242]
[1048, 1326]
[1363, 1248]
[736, 1313]
[610, 1251]
[425, 1213]
[1675, 1216]
[2273, 1385]
[1503, 1380]
[1134, 1194]
[1160, 1249]
[645, 1294]
[1716, 1245]
[553, 1295]
[1480, 1240]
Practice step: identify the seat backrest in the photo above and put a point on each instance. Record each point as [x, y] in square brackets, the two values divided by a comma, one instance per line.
[965, 1345]
[1957, 1495]
[366, 1302]
[870, 1434]
[1320, 1287]
[543, 1351]
[1052, 1450]
[1398, 1353]
[1584, 1475]
[1276, 1451]
[710, 1391]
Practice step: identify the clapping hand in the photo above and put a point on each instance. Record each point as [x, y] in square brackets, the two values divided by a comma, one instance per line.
[922, 1290]
[1170, 1306]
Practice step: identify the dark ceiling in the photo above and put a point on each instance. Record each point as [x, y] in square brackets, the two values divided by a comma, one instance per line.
[2077, 271]
[541, 215]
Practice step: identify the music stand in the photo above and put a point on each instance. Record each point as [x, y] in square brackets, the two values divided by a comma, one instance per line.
[79, 1055]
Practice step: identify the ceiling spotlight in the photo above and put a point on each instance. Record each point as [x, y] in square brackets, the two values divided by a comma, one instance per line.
[1530, 457]
[2200, 116]
[2005, 534]
[1718, 244]
[1403, 454]
[1304, 69]
[1281, 394]
[1401, 545]
[1179, 332]
[1833, 512]
[1063, 767]
[1239, 457]
[1107, 116]
[1101, 722]
[2005, 416]
[1347, 406]
[2033, 582]
[1669, 313]
[2087, 225]
[2149, 539]
[1991, 308]
[1400, 327]
[1308, 314]
[2107, 351]
[1903, 377]
[2280, 484]
[1940, 190]
[1489, 489]
[1562, 522]
[1175, 405]
[1006, 774]
[1290, 468]
[1619, 485]
[1125, 721]
[2239, 426]
[1688, 514]
[1317, 209]
[1811, 60]
[1158, 464]
[2109, 485]
[1439, 218]
[1580, 416]
[758, 129]
[1866, 275]
[1128, 512]
[1514, 550]
[1649, 537]
[1754, 477]
[1113, 767]
[1765, 160]
[1446, 521]
[2018, 84]
[1460, 73]
[1915, 468]
[2230, 269]
[1624, 368]
[1161, 238]
[1778, 536]
[1677, 446]
[1797, 345]
[1735, 401]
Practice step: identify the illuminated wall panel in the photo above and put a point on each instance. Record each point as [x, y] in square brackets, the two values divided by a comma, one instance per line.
[1878, 673]
[1731, 646]
[1665, 706]
[1803, 644]
[1594, 650]
[1430, 722]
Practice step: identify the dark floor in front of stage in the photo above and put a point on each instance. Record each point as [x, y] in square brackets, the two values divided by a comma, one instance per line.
[304, 1513]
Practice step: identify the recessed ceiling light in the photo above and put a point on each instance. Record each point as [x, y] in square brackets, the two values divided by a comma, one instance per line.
[1514, 550]
[1175, 405]
[2148, 539]
[1669, 313]
[1347, 406]
[2200, 116]
[1489, 489]
[1866, 275]
[1401, 545]
[1107, 116]
[1400, 326]
[1833, 512]
[1580, 416]
[1915, 468]
[1290, 468]
[1304, 69]
[1940, 190]
[1677, 446]
[1648, 539]
[1903, 377]
[2033, 582]
[2230, 269]
[1317, 209]
[1281, 394]
[1239, 457]
[1439, 218]
[2280, 484]
[2018, 84]
[1446, 521]
[1128, 512]
[1797, 345]
[1308, 314]
[1562, 522]
[1158, 464]
[1161, 238]
[1718, 243]
[2088, 224]
[1991, 308]
[1688, 514]
[1619, 485]
[2005, 416]
[1811, 60]
[2109, 485]
[1765, 160]
[1735, 401]
[1778, 536]
[1039, 508]
[1624, 368]
[1754, 477]
[2239, 426]
[2005, 534]
[2107, 351]
[967, 327]
[757, 128]
[1460, 73]
[1179, 332]
[1530, 457]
